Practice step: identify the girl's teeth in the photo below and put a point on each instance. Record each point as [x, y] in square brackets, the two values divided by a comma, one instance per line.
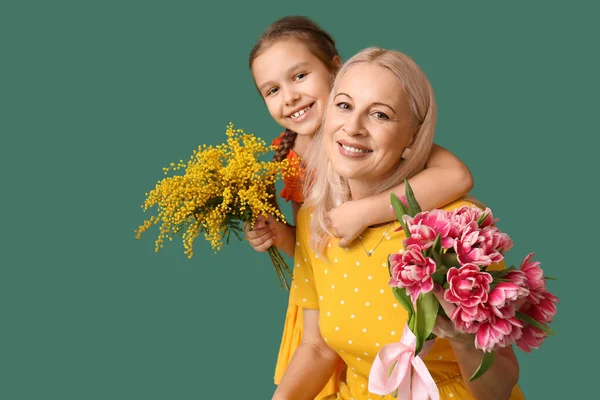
[355, 150]
[299, 113]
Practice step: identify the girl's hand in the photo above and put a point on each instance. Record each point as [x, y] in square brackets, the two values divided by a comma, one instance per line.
[346, 222]
[269, 232]
[262, 236]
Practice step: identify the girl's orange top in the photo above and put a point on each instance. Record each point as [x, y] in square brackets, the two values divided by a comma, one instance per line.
[292, 189]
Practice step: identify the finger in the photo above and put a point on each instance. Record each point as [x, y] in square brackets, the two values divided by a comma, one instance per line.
[260, 222]
[344, 242]
[255, 234]
[265, 246]
[329, 223]
[260, 242]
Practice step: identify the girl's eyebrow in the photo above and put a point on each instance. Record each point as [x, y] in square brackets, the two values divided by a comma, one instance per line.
[292, 68]
[298, 65]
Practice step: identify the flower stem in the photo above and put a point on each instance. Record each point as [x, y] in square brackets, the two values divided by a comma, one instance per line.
[282, 270]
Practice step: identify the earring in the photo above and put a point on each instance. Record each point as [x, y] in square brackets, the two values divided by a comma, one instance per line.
[406, 153]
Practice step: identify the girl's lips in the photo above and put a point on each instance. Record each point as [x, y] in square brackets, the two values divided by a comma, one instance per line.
[302, 117]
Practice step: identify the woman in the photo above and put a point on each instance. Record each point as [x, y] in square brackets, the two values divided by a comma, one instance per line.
[378, 130]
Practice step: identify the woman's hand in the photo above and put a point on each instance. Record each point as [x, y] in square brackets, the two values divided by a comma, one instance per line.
[503, 375]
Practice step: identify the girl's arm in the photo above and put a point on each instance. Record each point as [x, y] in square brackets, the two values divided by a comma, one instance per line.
[311, 366]
[295, 207]
[444, 179]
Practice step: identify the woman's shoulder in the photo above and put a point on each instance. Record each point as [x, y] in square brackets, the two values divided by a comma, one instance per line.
[304, 213]
[465, 201]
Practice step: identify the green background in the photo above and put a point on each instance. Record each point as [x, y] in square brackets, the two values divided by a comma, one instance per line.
[96, 97]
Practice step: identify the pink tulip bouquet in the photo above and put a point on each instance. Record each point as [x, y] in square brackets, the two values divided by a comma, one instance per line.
[459, 250]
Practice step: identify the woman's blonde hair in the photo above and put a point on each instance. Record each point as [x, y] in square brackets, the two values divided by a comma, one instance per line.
[324, 188]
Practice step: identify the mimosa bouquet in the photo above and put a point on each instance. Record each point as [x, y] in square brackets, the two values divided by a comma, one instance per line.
[222, 188]
[462, 251]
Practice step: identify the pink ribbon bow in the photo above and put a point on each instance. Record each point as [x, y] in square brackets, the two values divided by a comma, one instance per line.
[382, 382]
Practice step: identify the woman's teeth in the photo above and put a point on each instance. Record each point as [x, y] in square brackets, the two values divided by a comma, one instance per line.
[355, 150]
[299, 113]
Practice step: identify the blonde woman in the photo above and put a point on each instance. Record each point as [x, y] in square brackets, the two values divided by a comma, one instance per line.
[378, 129]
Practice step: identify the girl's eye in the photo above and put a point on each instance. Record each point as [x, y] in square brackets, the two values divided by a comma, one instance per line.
[343, 105]
[299, 76]
[272, 91]
[380, 115]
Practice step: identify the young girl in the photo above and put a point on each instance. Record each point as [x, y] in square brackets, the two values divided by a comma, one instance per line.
[293, 65]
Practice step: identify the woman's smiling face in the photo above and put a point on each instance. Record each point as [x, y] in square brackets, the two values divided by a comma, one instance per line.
[368, 125]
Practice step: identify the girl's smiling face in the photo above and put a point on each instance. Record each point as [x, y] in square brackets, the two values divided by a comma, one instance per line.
[295, 85]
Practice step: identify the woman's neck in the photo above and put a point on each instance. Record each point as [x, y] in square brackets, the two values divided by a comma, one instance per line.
[359, 189]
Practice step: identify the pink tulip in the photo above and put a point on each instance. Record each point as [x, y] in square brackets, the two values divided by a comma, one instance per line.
[531, 338]
[535, 275]
[468, 286]
[425, 226]
[412, 271]
[543, 311]
[497, 332]
[506, 311]
[468, 318]
[505, 293]
[478, 246]
[461, 217]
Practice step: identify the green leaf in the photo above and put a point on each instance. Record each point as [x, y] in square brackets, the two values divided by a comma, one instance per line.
[486, 362]
[237, 235]
[426, 314]
[403, 299]
[550, 278]
[450, 260]
[399, 210]
[437, 244]
[482, 218]
[534, 322]
[413, 206]
[439, 274]
[411, 322]
[439, 262]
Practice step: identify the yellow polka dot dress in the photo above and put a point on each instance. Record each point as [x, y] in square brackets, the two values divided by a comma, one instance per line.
[358, 311]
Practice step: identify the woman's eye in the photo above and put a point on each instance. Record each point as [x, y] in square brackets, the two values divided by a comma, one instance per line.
[343, 105]
[271, 91]
[299, 76]
[380, 115]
